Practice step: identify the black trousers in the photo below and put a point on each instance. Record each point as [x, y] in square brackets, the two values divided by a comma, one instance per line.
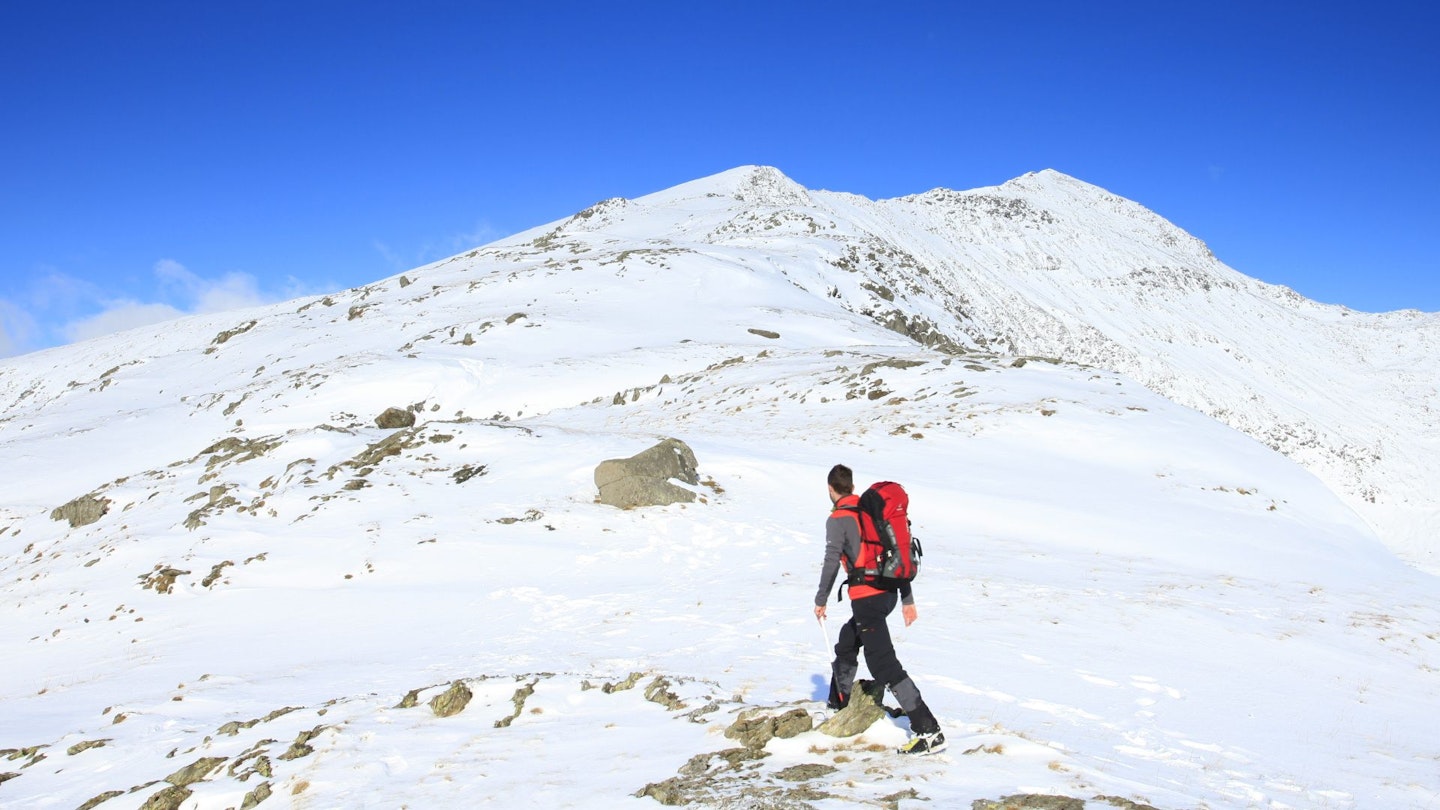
[868, 630]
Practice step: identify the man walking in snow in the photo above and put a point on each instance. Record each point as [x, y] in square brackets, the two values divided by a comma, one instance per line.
[867, 627]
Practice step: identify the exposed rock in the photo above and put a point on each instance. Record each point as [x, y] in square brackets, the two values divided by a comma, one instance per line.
[698, 715]
[521, 695]
[752, 732]
[870, 368]
[756, 728]
[793, 723]
[162, 579]
[230, 333]
[195, 771]
[467, 472]
[452, 701]
[1029, 801]
[233, 727]
[96, 801]
[256, 796]
[1124, 804]
[800, 773]
[7, 776]
[219, 502]
[863, 710]
[301, 747]
[644, 478]
[257, 761]
[892, 802]
[85, 746]
[921, 330]
[32, 753]
[765, 333]
[237, 450]
[394, 418]
[82, 511]
[621, 686]
[659, 692]
[734, 757]
[216, 571]
[531, 515]
[392, 445]
[168, 799]
[670, 793]
[696, 781]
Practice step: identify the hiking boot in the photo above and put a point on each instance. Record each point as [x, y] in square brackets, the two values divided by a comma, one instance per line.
[922, 744]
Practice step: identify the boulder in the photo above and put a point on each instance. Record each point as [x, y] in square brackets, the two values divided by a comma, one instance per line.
[452, 701]
[754, 728]
[863, 710]
[644, 479]
[394, 418]
[82, 511]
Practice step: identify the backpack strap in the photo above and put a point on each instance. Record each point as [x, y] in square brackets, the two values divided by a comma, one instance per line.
[844, 586]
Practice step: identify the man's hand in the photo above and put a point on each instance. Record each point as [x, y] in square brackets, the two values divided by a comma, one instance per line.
[910, 614]
[820, 613]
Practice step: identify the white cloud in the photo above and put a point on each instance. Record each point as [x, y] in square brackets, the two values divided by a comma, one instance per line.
[482, 233]
[119, 316]
[58, 308]
[17, 329]
[202, 295]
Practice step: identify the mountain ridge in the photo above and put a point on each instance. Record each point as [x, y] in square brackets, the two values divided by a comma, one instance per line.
[1049, 265]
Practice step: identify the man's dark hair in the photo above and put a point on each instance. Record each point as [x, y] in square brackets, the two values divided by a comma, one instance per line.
[841, 479]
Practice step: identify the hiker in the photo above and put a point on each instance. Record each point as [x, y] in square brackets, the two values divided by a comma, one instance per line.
[867, 626]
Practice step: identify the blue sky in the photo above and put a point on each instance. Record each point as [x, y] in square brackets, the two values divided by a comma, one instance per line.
[168, 158]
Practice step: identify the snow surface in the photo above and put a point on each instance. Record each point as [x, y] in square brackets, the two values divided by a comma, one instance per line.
[1121, 596]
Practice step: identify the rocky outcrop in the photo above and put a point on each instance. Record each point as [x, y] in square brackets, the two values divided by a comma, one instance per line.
[645, 479]
[82, 511]
[1029, 801]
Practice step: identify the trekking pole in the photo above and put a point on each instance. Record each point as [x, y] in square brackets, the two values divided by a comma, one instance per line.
[826, 635]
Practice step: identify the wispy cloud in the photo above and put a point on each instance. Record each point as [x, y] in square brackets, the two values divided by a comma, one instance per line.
[119, 316]
[57, 308]
[442, 248]
[17, 329]
[230, 291]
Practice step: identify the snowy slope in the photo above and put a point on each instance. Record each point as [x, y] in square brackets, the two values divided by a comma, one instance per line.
[1122, 597]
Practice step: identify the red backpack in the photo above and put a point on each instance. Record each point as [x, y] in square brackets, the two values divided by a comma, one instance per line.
[889, 555]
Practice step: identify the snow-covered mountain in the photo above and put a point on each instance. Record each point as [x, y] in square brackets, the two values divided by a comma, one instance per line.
[225, 585]
[1047, 265]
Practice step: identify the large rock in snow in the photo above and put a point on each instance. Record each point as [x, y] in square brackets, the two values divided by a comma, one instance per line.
[645, 479]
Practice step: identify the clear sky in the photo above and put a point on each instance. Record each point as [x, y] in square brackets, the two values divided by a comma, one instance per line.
[164, 158]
